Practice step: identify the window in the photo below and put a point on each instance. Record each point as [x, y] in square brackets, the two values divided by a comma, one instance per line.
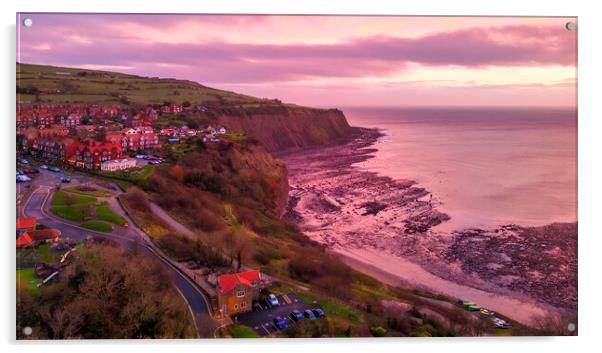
[235, 306]
[243, 305]
[240, 293]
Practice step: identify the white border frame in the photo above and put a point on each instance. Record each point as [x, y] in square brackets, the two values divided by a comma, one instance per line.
[590, 175]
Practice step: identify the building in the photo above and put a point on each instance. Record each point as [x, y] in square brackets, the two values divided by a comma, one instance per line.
[24, 240]
[134, 139]
[36, 237]
[236, 292]
[46, 235]
[90, 153]
[26, 224]
[118, 164]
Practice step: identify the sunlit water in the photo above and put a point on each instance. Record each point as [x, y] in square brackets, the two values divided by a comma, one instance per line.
[488, 167]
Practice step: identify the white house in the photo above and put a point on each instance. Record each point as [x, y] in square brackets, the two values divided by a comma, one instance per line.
[118, 164]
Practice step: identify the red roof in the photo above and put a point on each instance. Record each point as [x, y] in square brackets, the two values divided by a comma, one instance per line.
[227, 282]
[26, 222]
[44, 234]
[24, 240]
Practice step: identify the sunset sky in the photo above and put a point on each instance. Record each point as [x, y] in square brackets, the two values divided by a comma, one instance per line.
[329, 61]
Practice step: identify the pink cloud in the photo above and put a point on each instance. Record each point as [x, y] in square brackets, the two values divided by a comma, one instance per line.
[105, 40]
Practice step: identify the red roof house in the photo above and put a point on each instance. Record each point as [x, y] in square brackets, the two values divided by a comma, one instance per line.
[237, 291]
[45, 235]
[26, 223]
[24, 240]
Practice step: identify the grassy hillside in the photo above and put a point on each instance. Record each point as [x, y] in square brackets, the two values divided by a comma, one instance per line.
[73, 85]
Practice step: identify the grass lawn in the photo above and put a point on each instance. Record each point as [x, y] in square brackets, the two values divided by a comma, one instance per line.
[62, 198]
[88, 191]
[99, 226]
[104, 213]
[73, 213]
[26, 279]
[242, 331]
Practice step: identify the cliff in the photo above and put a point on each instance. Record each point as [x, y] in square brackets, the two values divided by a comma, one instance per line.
[284, 127]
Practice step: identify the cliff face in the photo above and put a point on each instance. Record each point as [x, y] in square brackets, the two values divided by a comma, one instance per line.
[285, 127]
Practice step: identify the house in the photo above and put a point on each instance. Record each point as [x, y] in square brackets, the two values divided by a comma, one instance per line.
[24, 240]
[26, 224]
[46, 235]
[236, 292]
[118, 164]
[90, 153]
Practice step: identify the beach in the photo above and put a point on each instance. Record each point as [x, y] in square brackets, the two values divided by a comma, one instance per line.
[391, 229]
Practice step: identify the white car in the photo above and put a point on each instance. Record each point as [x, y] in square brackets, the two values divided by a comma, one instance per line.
[273, 300]
[43, 166]
[21, 178]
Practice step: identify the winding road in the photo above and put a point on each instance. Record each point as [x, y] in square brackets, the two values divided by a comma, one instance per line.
[131, 238]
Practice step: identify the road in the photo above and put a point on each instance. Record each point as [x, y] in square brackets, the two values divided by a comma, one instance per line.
[131, 238]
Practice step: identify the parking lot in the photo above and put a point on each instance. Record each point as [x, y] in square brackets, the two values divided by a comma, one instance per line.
[261, 319]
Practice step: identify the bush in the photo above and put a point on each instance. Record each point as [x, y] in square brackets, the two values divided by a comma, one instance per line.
[378, 331]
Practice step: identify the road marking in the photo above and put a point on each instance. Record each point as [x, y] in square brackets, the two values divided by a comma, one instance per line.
[287, 299]
[266, 330]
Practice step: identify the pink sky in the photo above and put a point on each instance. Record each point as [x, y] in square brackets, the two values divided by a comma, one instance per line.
[330, 61]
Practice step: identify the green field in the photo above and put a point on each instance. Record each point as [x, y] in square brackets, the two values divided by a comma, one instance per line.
[98, 226]
[107, 88]
[242, 331]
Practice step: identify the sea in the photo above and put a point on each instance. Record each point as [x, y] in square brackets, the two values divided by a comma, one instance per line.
[485, 167]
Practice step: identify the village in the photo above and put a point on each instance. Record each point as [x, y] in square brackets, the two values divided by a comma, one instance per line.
[93, 137]
[89, 139]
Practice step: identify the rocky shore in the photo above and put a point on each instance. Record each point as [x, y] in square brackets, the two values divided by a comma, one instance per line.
[349, 209]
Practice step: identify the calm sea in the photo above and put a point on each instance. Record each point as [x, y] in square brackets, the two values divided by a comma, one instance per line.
[488, 167]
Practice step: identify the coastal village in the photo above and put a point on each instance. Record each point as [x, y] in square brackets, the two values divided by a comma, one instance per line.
[100, 138]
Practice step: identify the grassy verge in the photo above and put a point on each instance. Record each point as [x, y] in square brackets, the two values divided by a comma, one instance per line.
[27, 280]
[104, 213]
[242, 331]
[98, 226]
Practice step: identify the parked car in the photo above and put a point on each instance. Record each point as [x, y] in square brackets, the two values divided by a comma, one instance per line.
[21, 178]
[319, 312]
[279, 323]
[487, 312]
[43, 166]
[273, 300]
[499, 323]
[54, 169]
[140, 156]
[296, 315]
[309, 314]
[65, 180]
[24, 161]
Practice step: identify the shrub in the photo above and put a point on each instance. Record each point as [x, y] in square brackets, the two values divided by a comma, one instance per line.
[378, 331]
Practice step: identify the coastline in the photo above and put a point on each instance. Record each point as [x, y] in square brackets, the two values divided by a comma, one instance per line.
[387, 228]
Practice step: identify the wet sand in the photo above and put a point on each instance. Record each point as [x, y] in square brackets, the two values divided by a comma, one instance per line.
[388, 229]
